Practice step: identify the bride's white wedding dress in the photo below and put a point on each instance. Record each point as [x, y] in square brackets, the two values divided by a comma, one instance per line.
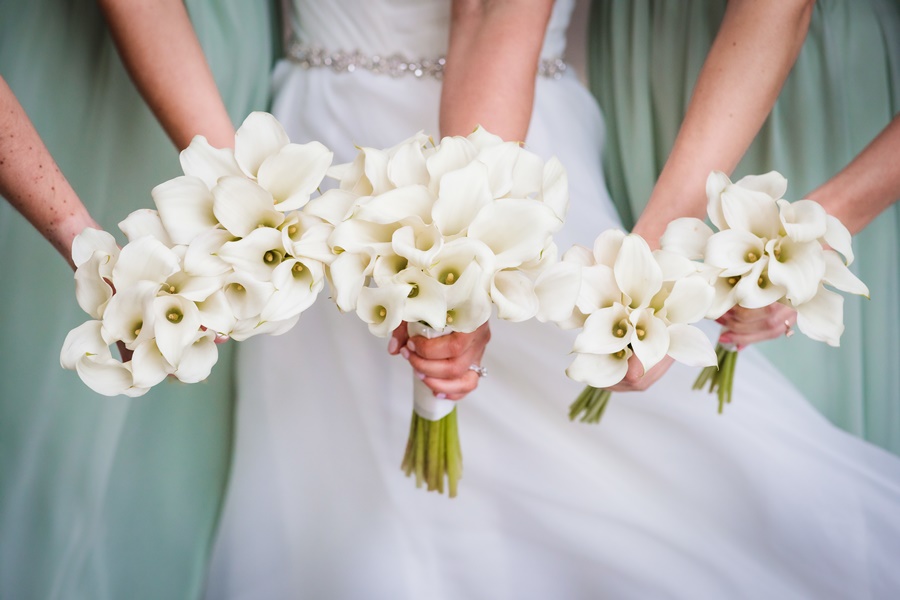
[664, 499]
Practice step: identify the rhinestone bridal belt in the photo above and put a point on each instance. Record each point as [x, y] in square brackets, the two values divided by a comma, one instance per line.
[310, 56]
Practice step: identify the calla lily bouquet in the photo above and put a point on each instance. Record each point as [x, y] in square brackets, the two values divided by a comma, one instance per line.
[632, 302]
[766, 250]
[227, 252]
[436, 236]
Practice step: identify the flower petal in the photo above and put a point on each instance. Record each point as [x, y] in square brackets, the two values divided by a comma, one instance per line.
[257, 254]
[555, 188]
[427, 301]
[756, 290]
[198, 359]
[176, 321]
[690, 300]
[838, 275]
[241, 206]
[772, 184]
[396, 205]
[382, 307]
[650, 341]
[201, 257]
[297, 284]
[347, 275]
[91, 289]
[407, 165]
[690, 346]
[599, 370]
[796, 266]
[557, 290]
[418, 244]
[803, 220]
[84, 340]
[822, 318]
[333, 206]
[687, 237]
[146, 259]
[201, 161]
[461, 195]
[838, 237]
[751, 211]
[606, 247]
[716, 183]
[144, 222]
[606, 331]
[91, 240]
[451, 154]
[293, 173]
[735, 251]
[513, 293]
[106, 376]
[216, 313]
[259, 137]
[185, 207]
[148, 366]
[637, 273]
[512, 246]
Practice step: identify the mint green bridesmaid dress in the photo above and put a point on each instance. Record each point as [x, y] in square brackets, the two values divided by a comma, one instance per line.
[845, 87]
[105, 498]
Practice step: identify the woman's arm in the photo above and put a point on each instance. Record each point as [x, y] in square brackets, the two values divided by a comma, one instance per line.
[161, 52]
[750, 58]
[32, 182]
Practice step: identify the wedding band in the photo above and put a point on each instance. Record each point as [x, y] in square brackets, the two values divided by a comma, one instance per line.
[788, 332]
[481, 371]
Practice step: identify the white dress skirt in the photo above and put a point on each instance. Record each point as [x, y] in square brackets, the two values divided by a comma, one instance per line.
[663, 499]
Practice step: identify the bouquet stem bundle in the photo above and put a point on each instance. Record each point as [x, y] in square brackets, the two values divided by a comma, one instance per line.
[721, 377]
[433, 453]
[590, 405]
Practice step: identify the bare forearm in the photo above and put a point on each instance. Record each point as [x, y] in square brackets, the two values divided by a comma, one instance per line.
[752, 55]
[868, 185]
[32, 182]
[160, 50]
[491, 67]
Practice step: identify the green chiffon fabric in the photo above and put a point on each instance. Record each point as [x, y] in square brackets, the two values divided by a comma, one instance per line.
[845, 87]
[105, 497]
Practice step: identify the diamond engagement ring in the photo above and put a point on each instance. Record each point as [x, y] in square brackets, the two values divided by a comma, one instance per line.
[788, 332]
[481, 371]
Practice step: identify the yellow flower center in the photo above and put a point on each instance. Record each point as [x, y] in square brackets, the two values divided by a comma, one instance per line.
[641, 334]
[174, 316]
[620, 354]
[620, 329]
[751, 257]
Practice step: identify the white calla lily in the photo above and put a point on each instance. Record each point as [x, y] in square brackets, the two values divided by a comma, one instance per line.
[513, 246]
[247, 295]
[92, 240]
[146, 259]
[481, 138]
[127, 311]
[725, 296]
[382, 308]
[650, 340]
[599, 370]
[579, 255]
[689, 301]
[195, 288]
[461, 196]
[85, 351]
[637, 273]
[305, 236]
[258, 254]
[396, 205]
[202, 161]
[468, 299]
[687, 237]
[773, 184]
[735, 251]
[841, 277]
[176, 321]
[452, 154]
[334, 206]
[144, 222]
[803, 220]
[293, 173]
[241, 206]
[375, 166]
[555, 188]
[352, 176]
[606, 331]
[527, 175]
[557, 290]
[84, 340]
[500, 160]
[427, 300]
[297, 283]
[406, 166]
[606, 247]
[245, 329]
[798, 267]
[148, 366]
[198, 359]
[355, 235]
[690, 346]
[386, 267]
[201, 257]
[92, 291]
[599, 289]
[216, 313]
[513, 293]
[752, 211]
[838, 237]
[185, 206]
[347, 275]
[716, 183]
[822, 318]
[259, 137]
[419, 244]
[755, 289]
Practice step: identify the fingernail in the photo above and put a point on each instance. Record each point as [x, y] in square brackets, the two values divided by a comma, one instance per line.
[420, 375]
[393, 345]
[411, 345]
[724, 339]
[404, 352]
[741, 347]
[440, 396]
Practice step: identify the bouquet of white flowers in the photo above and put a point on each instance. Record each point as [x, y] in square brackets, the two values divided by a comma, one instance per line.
[766, 250]
[632, 302]
[436, 235]
[227, 252]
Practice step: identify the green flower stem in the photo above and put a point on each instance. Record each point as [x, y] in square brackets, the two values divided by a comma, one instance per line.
[721, 377]
[590, 405]
[433, 453]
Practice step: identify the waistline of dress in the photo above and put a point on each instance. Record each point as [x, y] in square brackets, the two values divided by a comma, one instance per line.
[311, 56]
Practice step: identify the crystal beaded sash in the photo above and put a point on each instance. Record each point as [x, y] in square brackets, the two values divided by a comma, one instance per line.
[396, 65]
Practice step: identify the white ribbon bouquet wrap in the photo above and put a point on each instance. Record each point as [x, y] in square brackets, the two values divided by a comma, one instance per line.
[765, 250]
[228, 252]
[437, 236]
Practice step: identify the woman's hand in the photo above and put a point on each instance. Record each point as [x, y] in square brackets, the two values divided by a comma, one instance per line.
[636, 380]
[444, 363]
[743, 326]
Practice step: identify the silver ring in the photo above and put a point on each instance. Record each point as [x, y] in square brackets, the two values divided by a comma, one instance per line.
[481, 371]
